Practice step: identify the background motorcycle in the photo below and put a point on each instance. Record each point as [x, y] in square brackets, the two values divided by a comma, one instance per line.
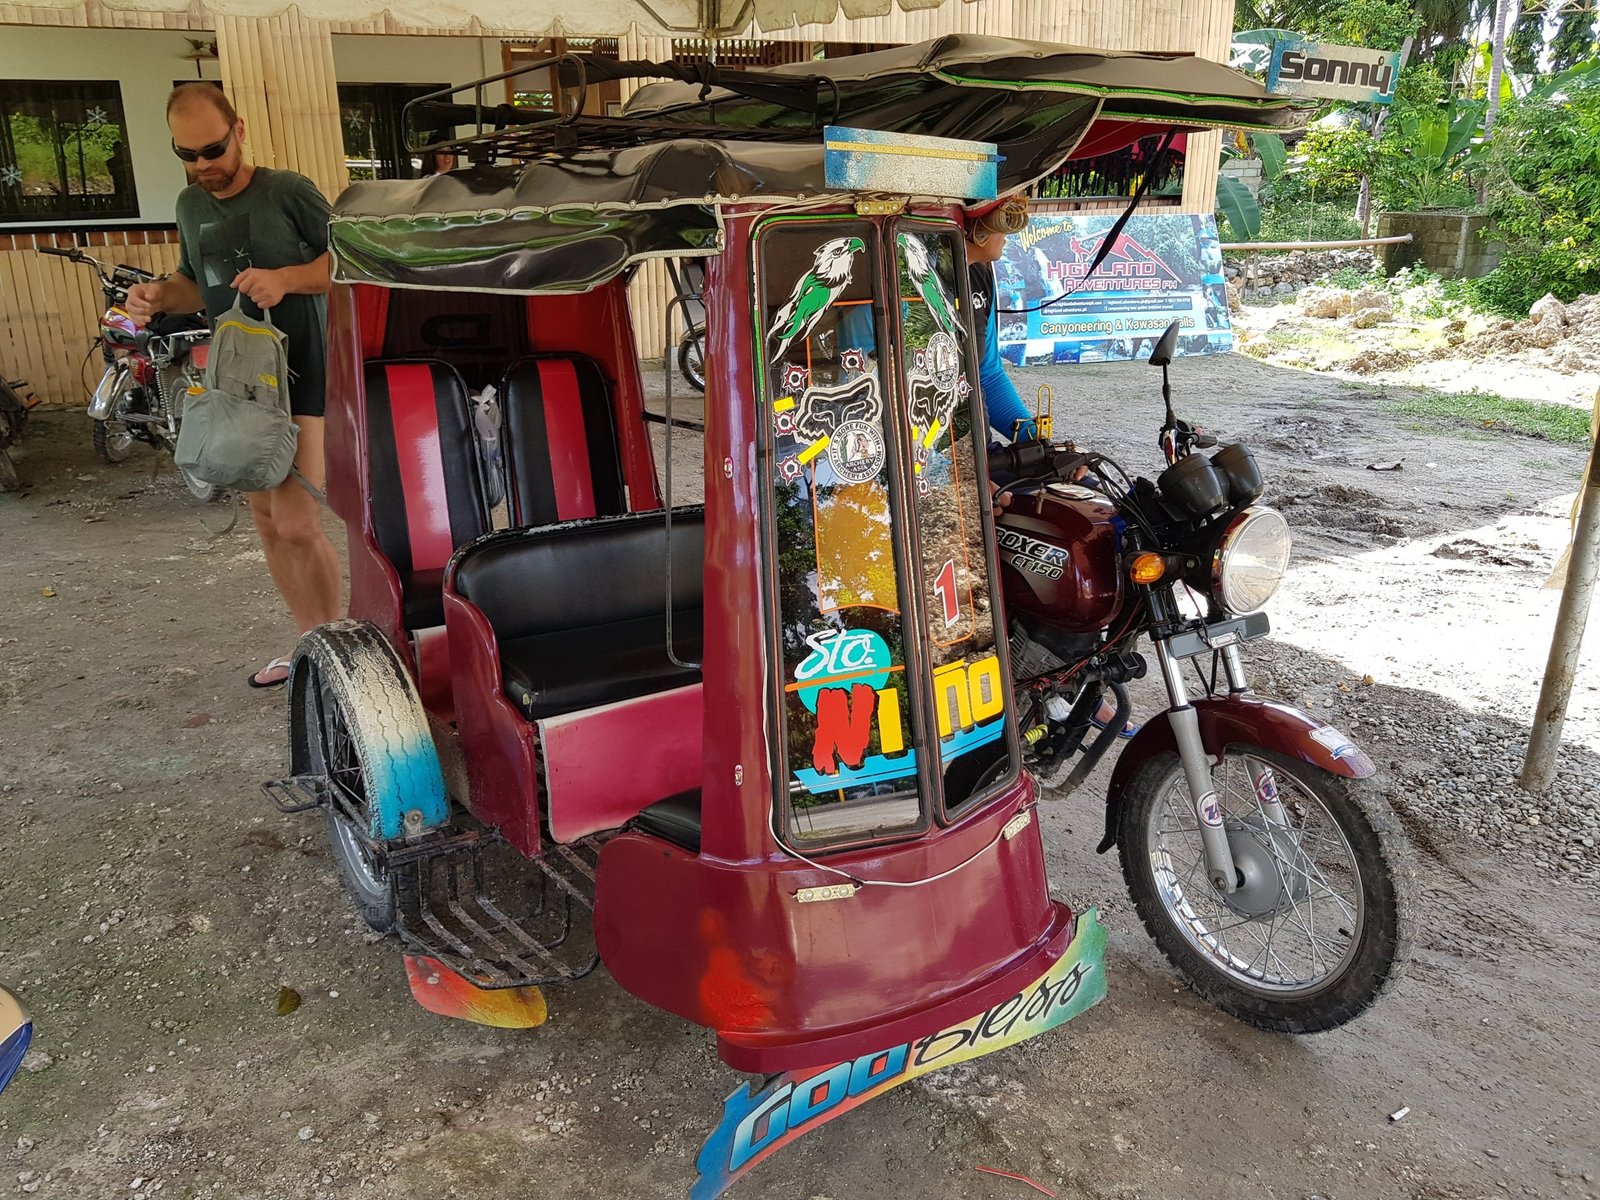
[1253, 844]
[140, 394]
[15, 401]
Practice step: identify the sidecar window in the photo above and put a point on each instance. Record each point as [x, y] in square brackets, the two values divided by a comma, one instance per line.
[939, 377]
[847, 757]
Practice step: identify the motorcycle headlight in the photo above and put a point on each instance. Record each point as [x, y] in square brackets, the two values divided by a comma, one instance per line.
[1250, 560]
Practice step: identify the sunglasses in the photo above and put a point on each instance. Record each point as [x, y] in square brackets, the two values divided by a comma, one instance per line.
[216, 150]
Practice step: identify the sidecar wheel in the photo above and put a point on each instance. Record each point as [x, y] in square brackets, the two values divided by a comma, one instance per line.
[1319, 926]
[356, 720]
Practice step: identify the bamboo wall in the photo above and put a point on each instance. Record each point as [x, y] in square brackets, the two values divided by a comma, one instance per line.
[50, 308]
[279, 73]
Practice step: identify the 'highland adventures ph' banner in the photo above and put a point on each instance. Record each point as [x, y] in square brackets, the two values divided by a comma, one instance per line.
[1163, 268]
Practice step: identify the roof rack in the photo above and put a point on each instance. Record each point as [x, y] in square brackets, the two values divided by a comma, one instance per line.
[505, 130]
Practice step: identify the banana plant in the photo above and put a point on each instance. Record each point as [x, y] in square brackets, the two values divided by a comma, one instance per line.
[1236, 206]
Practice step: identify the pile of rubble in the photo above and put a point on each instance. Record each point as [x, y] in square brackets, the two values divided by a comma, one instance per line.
[1359, 309]
[1569, 332]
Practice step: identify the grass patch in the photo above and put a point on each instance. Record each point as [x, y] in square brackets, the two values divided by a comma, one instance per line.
[1481, 411]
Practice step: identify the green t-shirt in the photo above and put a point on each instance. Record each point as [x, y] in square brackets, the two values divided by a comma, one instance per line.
[280, 220]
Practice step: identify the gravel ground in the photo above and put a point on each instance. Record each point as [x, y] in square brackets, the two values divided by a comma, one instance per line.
[152, 906]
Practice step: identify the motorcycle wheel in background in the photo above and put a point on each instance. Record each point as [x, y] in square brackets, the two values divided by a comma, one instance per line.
[1317, 928]
[692, 357]
[113, 440]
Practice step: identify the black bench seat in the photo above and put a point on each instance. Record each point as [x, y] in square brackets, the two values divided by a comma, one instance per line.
[579, 611]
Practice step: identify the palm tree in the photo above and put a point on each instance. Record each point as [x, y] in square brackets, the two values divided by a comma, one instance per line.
[1445, 22]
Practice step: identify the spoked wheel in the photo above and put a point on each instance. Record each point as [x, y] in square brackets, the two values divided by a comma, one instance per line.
[692, 357]
[355, 720]
[113, 439]
[199, 488]
[1317, 927]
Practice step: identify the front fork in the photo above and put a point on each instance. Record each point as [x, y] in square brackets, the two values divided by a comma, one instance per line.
[1196, 763]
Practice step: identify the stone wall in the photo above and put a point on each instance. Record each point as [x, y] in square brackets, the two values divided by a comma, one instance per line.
[1450, 244]
[1258, 276]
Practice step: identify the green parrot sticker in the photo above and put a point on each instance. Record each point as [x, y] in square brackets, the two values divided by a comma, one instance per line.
[919, 265]
[817, 289]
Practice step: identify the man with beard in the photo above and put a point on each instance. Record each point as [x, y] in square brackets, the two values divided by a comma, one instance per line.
[262, 235]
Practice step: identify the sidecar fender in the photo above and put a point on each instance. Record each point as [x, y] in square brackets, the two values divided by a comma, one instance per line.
[1237, 720]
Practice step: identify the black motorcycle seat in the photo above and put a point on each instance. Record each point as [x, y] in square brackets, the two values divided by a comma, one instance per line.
[579, 611]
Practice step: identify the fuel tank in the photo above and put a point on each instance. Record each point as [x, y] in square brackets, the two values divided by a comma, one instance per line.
[1059, 551]
[118, 328]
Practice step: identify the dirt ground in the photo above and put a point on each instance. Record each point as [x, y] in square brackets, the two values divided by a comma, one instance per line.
[152, 904]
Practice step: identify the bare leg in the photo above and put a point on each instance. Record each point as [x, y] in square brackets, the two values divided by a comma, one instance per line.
[301, 559]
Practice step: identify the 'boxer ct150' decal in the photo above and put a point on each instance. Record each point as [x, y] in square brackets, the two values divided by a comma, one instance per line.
[756, 1124]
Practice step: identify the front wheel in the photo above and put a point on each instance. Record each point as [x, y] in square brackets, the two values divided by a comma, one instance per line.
[199, 488]
[1318, 926]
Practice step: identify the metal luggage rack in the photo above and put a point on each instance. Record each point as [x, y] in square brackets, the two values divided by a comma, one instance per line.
[443, 880]
[520, 133]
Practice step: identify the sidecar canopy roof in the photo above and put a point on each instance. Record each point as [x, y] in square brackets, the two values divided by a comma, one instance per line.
[586, 197]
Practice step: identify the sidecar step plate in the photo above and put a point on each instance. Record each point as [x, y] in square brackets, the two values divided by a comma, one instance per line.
[536, 932]
[297, 793]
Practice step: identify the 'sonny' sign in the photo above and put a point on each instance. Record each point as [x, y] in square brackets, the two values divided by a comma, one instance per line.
[1303, 67]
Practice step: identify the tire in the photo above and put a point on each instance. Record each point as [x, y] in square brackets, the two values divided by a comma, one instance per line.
[206, 493]
[355, 719]
[1359, 869]
[692, 357]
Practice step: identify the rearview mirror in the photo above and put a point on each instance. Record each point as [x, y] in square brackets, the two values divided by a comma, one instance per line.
[1162, 354]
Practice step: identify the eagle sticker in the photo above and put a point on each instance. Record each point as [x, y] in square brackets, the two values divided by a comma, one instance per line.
[816, 290]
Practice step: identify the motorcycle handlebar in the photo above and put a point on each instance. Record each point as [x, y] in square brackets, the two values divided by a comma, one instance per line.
[1035, 460]
[72, 254]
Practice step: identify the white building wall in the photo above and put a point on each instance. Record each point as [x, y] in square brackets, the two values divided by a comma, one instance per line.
[146, 63]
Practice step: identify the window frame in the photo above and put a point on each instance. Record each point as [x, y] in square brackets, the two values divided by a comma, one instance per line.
[13, 207]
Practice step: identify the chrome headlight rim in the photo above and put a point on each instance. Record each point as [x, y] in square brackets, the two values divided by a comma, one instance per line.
[1232, 534]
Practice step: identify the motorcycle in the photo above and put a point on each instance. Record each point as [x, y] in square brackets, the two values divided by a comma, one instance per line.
[1256, 853]
[147, 371]
[15, 402]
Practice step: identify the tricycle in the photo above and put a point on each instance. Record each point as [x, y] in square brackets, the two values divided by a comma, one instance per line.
[767, 758]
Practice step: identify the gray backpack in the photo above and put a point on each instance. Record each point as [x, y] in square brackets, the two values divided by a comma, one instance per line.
[236, 432]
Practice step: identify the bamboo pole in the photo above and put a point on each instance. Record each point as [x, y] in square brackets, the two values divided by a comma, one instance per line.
[1561, 669]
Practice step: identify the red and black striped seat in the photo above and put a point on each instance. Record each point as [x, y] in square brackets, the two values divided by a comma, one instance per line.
[560, 441]
[425, 487]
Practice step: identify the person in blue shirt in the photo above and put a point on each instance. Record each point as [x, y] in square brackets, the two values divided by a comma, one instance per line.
[1008, 416]
[986, 242]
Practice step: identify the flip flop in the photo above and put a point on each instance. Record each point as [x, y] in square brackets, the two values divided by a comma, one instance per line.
[271, 666]
[1127, 731]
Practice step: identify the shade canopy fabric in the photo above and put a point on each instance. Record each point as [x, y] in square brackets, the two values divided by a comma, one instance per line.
[592, 196]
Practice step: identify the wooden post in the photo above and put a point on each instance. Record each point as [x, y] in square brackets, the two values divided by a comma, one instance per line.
[1539, 767]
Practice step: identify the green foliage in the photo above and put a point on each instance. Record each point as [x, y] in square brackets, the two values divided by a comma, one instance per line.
[1526, 42]
[1485, 410]
[1237, 209]
[1543, 189]
[1378, 24]
[1426, 155]
[1574, 39]
[1328, 164]
[1306, 220]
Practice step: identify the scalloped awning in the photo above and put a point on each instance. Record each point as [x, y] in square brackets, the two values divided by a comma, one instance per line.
[590, 18]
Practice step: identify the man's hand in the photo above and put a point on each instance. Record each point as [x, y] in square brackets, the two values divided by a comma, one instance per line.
[263, 286]
[144, 301]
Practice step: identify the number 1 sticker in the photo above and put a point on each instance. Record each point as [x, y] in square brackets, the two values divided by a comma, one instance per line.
[946, 586]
